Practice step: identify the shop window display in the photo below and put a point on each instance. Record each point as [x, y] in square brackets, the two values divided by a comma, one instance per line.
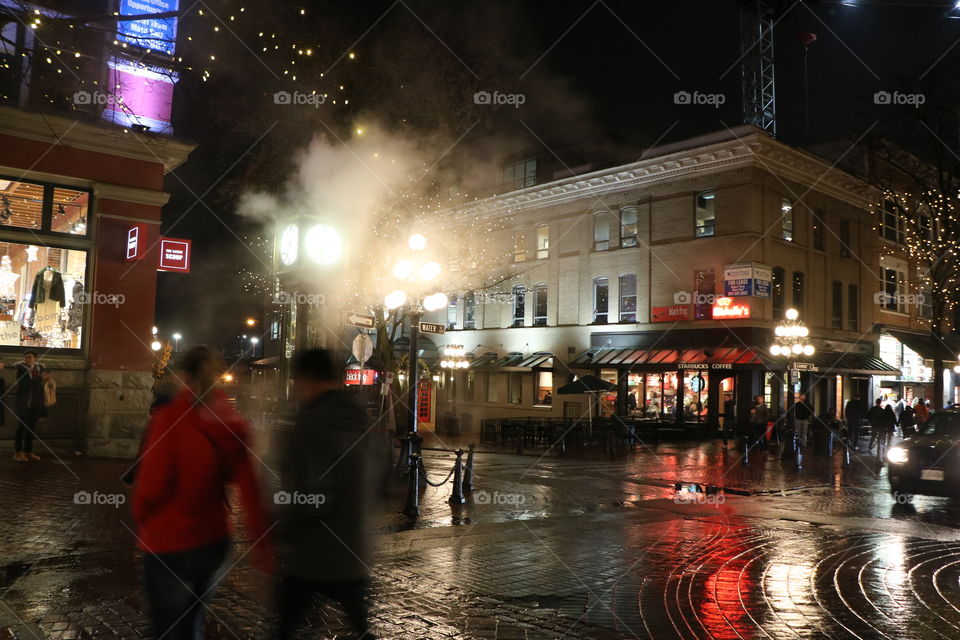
[695, 385]
[41, 296]
[69, 211]
[608, 399]
[21, 204]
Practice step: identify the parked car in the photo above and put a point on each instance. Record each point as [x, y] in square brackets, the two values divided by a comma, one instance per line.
[928, 463]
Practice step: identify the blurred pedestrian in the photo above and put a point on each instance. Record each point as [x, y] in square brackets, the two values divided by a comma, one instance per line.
[325, 498]
[908, 421]
[921, 413]
[875, 416]
[854, 414]
[759, 416]
[196, 445]
[729, 417]
[802, 412]
[29, 405]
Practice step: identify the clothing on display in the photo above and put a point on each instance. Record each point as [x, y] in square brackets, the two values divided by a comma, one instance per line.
[47, 287]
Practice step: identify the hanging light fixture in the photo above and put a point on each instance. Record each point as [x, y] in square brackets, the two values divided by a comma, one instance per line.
[791, 337]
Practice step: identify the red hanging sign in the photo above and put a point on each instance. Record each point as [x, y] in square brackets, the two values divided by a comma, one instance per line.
[360, 376]
[174, 255]
[727, 308]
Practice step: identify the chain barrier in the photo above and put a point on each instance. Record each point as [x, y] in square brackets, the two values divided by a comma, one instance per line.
[426, 477]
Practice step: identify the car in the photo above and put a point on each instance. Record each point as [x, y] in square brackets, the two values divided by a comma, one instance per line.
[929, 462]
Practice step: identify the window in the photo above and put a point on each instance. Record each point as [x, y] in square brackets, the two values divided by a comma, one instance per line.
[818, 241]
[540, 305]
[544, 387]
[706, 217]
[798, 291]
[853, 307]
[29, 205]
[470, 387]
[601, 232]
[493, 394]
[520, 245]
[452, 311]
[56, 320]
[924, 223]
[520, 174]
[705, 287]
[469, 310]
[543, 242]
[836, 309]
[779, 292]
[894, 279]
[925, 297]
[519, 305]
[891, 225]
[514, 387]
[786, 220]
[844, 238]
[628, 297]
[601, 300]
[628, 227]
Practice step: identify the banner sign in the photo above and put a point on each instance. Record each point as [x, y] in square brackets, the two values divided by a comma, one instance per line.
[174, 255]
[670, 314]
[156, 34]
[360, 377]
[747, 279]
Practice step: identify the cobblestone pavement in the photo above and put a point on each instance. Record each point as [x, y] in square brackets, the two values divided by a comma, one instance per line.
[545, 548]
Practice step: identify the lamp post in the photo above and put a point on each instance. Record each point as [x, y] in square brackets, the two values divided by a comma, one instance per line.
[454, 358]
[791, 340]
[415, 273]
[176, 342]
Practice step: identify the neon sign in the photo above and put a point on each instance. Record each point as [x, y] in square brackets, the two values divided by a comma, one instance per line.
[728, 308]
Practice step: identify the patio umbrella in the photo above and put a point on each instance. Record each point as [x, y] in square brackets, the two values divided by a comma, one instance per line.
[586, 384]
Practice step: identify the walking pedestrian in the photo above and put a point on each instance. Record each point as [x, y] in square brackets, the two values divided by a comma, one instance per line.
[921, 413]
[196, 445]
[854, 414]
[759, 415]
[802, 412]
[888, 424]
[326, 497]
[875, 416]
[729, 417]
[29, 405]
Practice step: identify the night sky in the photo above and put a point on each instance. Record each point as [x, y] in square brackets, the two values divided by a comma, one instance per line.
[590, 72]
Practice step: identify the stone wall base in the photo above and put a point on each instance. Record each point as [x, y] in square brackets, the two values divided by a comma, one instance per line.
[118, 404]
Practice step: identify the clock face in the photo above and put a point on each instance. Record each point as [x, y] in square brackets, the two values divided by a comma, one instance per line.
[289, 244]
[323, 244]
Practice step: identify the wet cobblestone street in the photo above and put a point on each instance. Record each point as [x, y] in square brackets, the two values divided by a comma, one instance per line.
[545, 548]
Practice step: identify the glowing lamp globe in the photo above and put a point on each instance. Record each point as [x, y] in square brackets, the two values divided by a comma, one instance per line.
[417, 242]
[797, 348]
[403, 270]
[792, 314]
[395, 299]
[775, 350]
[808, 350]
[435, 301]
[430, 270]
[155, 345]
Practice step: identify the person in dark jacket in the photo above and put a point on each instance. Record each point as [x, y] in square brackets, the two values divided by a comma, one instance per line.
[908, 423]
[324, 502]
[853, 412]
[802, 412]
[29, 405]
[729, 417]
[888, 423]
[195, 446]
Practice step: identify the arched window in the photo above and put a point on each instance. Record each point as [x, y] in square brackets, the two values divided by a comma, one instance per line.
[519, 305]
[786, 220]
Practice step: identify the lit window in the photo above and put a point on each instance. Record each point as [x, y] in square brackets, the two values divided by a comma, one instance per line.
[519, 305]
[601, 300]
[891, 224]
[786, 220]
[628, 227]
[520, 245]
[469, 310]
[544, 388]
[894, 279]
[452, 311]
[706, 215]
[543, 242]
[601, 232]
[628, 297]
[540, 305]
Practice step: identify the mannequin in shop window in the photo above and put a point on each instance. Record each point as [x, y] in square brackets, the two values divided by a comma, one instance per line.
[46, 299]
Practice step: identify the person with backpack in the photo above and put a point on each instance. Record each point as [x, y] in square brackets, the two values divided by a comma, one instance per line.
[30, 404]
[196, 446]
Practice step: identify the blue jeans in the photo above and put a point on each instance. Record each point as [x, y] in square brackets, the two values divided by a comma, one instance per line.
[178, 586]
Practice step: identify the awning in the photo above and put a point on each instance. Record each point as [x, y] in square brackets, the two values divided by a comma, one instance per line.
[927, 345]
[516, 361]
[267, 363]
[659, 359]
[483, 360]
[825, 362]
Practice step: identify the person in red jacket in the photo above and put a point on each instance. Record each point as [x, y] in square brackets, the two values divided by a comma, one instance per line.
[195, 446]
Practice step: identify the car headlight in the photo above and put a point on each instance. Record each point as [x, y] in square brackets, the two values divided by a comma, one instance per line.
[897, 455]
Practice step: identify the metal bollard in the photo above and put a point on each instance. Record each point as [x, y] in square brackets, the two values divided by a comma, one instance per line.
[468, 469]
[746, 452]
[457, 496]
[412, 508]
[846, 455]
[403, 463]
[798, 447]
[830, 443]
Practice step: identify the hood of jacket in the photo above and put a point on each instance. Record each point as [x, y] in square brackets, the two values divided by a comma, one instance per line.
[214, 416]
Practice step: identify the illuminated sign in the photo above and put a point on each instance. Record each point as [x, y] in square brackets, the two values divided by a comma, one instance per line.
[727, 308]
[140, 94]
[174, 255]
[360, 377]
[424, 405]
[155, 34]
[136, 243]
[670, 314]
[748, 279]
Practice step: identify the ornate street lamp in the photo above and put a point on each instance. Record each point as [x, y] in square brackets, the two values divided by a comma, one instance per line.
[791, 337]
[417, 275]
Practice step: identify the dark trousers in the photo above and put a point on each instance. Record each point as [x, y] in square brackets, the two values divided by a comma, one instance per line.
[26, 427]
[295, 595]
[178, 585]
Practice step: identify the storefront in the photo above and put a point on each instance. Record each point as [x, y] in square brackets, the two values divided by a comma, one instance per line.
[914, 355]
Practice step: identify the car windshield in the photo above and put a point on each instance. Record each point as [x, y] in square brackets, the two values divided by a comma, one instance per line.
[942, 424]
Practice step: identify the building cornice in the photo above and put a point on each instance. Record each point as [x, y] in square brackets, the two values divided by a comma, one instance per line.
[108, 140]
[754, 150]
[130, 194]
